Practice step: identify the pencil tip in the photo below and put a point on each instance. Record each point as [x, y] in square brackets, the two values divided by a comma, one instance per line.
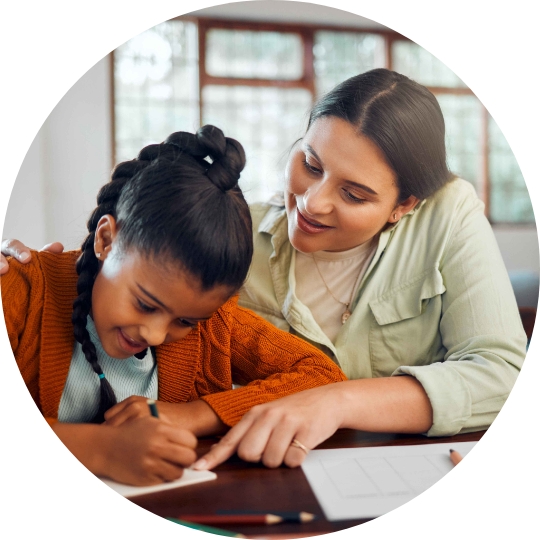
[451, 450]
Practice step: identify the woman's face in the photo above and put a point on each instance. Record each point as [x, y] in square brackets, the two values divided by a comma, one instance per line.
[137, 303]
[339, 190]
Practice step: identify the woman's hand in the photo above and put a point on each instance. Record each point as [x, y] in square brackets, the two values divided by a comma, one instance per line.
[266, 432]
[144, 451]
[19, 251]
[196, 416]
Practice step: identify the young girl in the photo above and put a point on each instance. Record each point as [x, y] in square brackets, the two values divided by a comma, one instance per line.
[146, 310]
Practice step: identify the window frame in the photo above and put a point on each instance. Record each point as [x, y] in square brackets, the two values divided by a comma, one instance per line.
[307, 81]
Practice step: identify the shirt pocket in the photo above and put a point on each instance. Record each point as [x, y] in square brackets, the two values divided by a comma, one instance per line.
[404, 329]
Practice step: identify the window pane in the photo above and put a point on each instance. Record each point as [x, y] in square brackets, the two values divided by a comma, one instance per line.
[266, 121]
[418, 64]
[156, 86]
[463, 121]
[254, 55]
[510, 199]
[340, 55]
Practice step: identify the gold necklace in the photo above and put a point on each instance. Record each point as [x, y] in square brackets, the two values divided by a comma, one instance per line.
[347, 313]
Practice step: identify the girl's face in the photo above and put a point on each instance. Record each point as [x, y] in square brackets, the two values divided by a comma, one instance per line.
[339, 190]
[137, 304]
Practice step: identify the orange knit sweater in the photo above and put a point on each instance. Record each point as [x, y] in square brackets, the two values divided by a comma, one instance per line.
[234, 345]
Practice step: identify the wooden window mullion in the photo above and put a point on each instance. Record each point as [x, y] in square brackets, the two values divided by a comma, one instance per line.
[233, 81]
[308, 64]
[201, 36]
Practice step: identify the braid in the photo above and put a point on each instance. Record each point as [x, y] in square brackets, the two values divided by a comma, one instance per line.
[178, 201]
[87, 268]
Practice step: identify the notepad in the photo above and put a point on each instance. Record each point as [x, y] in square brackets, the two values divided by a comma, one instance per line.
[358, 483]
[189, 477]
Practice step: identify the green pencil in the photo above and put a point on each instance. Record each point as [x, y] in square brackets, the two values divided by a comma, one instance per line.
[206, 528]
[153, 408]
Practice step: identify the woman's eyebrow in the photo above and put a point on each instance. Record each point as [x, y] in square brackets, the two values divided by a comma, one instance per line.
[361, 186]
[350, 182]
[311, 151]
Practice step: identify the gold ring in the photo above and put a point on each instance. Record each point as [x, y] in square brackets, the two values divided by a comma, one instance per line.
[296, 443]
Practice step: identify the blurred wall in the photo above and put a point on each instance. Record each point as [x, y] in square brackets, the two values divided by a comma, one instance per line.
[68, 161]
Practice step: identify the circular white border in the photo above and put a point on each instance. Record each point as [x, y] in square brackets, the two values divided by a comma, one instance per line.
[47, 46]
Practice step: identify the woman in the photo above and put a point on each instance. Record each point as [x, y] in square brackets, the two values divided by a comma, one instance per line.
[385, 260]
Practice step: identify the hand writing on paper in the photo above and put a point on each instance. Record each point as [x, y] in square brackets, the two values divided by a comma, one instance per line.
[149, 451]
[196, 416]
[19, 251]
[140, 452]
[265, 433]
[131, 408]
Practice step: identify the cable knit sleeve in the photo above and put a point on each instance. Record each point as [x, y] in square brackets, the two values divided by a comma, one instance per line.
[20, 286]
[270, 363]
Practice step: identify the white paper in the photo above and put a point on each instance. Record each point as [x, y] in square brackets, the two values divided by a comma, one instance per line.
[189, 477]
[357, 483]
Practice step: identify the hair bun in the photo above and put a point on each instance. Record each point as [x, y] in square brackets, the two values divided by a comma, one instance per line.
[228, 157]
[185, 143]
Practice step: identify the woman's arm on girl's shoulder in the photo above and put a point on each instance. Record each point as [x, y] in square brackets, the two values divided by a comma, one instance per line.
[269, 362]
[16, 289]
[17, 250]
[23, 289]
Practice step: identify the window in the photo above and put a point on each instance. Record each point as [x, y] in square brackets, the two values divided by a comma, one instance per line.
[258, 81]
[255, 86]
[156, 77]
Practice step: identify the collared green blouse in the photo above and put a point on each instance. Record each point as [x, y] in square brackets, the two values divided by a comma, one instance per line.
[436, 303]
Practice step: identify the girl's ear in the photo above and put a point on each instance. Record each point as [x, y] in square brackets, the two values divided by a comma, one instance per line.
[403, 208]
[104, 236]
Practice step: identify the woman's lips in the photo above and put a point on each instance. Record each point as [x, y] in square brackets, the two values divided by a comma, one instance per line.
[310, 226]
[130, 345]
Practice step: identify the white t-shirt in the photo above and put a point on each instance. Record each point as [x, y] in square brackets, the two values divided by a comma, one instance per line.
[129, 377]
[326, 281]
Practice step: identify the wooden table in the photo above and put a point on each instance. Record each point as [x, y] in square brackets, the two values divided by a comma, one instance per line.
[242, 486]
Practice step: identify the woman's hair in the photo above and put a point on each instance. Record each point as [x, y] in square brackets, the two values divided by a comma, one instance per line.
[403, 118]
[178, 202]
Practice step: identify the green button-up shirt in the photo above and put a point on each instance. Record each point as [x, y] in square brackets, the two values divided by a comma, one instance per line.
[435, 303]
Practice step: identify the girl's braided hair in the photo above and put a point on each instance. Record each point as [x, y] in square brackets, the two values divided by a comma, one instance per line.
[179, 202]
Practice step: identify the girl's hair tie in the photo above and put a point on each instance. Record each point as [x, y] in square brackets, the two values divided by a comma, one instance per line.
[102, 375]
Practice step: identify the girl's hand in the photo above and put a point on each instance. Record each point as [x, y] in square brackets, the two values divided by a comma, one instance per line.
[144, 451]
[196, 416]
[19, 251]
[147, 451]
[266, 432]
[131, 408]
